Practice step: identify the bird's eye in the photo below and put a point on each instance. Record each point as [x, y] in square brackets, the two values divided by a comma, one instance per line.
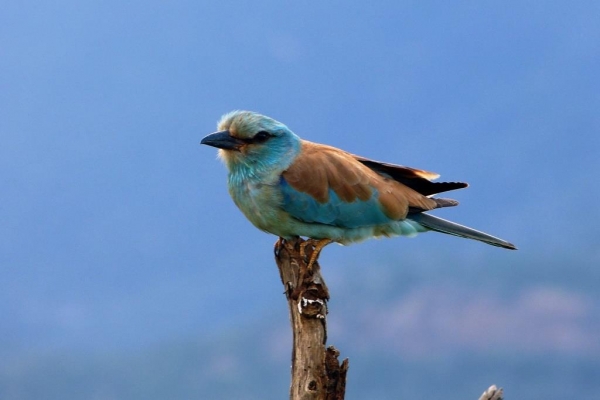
[261, 137]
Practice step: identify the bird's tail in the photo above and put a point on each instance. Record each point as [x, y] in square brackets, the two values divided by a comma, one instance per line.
[452, 228]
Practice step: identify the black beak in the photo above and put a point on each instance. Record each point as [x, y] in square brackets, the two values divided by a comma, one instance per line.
[223, 140]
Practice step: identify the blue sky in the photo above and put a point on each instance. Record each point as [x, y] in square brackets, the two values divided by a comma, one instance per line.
[116, 229]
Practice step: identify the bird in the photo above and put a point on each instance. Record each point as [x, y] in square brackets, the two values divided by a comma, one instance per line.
[291, 188]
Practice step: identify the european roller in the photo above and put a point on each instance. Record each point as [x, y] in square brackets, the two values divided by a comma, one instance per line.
[291, 187]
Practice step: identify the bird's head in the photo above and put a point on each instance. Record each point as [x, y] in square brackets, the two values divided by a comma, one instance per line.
[253, 140]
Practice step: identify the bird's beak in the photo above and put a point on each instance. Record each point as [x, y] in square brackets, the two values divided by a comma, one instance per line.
[223, 140]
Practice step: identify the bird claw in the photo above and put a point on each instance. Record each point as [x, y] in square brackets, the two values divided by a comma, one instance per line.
[282, 243]
[318, 245]
[278, 245]
[303, 247]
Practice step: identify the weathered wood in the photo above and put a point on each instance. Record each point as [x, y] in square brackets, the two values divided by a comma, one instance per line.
[316, 371]
[493, 393]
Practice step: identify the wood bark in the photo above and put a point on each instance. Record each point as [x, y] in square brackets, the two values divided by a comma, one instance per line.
[316, 371]
[493, 393]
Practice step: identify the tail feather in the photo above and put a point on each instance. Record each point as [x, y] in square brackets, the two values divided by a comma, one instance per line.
[441, 202]
[452, 228]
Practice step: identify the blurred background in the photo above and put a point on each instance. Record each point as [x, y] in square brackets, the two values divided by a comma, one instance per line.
[128, 273]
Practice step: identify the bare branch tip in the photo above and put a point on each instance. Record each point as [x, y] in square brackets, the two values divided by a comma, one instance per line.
[493, 393]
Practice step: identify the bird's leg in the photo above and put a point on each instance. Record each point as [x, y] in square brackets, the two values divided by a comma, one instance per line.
[305, 270]
[303, 247]
[283, 243]
[278, 244]
[316, 252]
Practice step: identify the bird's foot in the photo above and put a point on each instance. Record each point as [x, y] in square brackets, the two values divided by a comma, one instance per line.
[303, 247]
[318, 246]
[283, 243]
[278, 245]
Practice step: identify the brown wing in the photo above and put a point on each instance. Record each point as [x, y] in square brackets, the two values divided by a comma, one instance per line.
[320, 168]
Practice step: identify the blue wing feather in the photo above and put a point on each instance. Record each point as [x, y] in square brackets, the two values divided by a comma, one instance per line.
[335, 211]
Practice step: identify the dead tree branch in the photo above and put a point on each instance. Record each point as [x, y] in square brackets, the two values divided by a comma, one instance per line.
[492, 393]
[316, 371]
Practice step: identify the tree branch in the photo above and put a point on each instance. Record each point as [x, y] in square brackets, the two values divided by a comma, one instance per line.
[493, 393]
[316, 371]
